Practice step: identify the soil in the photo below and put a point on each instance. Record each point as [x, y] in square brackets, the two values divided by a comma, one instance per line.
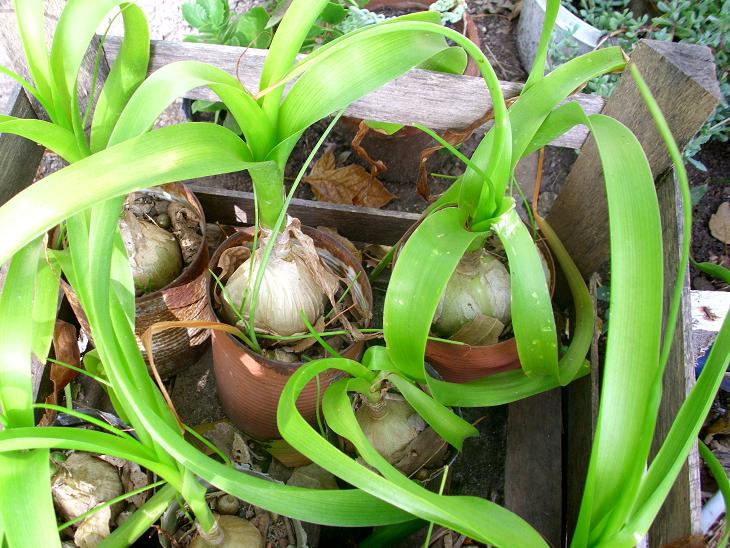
[705, 247]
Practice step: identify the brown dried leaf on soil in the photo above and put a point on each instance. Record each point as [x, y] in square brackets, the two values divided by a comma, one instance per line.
[350, 185]
[66, 350]
[720, 223]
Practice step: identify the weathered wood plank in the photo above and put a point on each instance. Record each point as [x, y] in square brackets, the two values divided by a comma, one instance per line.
[19, 158]
[682, 78]
[680, 515]
[443, 100]
[533, 468]
[356, 223]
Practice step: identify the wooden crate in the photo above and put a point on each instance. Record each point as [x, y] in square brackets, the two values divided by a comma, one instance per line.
[548, 435]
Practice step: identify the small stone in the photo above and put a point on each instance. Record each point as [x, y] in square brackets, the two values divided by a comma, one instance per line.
[163, 220]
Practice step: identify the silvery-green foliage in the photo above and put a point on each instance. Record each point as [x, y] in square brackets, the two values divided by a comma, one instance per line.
[452, 11]
[358, 18]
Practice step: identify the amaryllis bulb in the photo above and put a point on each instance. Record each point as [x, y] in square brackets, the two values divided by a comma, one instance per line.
[480, 285]
[390, 425]
[294, 280]
[154, 254]
[230, 532]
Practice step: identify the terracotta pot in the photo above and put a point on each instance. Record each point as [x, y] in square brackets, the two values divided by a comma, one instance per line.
[182, 299]
[400, 151]
[249, 384]
[463, 363]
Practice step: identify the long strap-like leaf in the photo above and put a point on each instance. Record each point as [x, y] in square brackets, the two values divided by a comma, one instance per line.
[475, 517]
[125, 75]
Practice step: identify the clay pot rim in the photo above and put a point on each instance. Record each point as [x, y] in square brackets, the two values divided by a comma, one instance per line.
[179, 190]
[269, 362]
[541, 243]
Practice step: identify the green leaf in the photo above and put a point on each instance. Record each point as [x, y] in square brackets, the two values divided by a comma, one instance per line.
[452, 60]
[714, 270]
[626, 414]
[25, 483]
[32, 26]
[698, 192]
[290, 35]
[333, 13]
[217, 11]
[537, 71]
[532, 311]
[352, 69]
[185, 151]
[174, 80]
[45, 304]
[437, 246]
[673, 453]
[16, 337]
[206, 106]
[478, 518]
[125, 75]
[80, 439]
[526, 117]
[445, 423]
[251, 28]
[51, 136]
[386, 127]
[718, 472]
[195, 15]
[497, 389]
[76, 27]
[140, 521]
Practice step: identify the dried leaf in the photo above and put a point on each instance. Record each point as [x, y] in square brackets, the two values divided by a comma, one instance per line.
[66, 350]
[374, 253]
[481, 331]
[351, 185]
[134, 478]
[720, 223]
[231, 259]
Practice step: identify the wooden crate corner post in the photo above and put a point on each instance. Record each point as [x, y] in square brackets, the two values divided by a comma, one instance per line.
[682, 78]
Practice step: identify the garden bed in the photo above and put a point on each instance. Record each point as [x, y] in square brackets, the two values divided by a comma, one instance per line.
[517, 460]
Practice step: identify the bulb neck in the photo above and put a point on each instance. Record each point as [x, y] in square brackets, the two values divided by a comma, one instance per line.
[376, 410]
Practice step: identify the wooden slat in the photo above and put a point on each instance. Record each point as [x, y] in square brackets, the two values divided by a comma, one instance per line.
[682, 77]
[533, 468]
[360, 224]
[19, 158]
[680, 515]
[439, 101]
